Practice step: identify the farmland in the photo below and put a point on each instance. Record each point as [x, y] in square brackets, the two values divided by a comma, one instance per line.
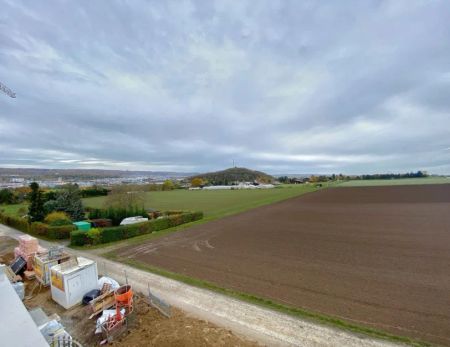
[396, 182]
[214, 204]
[376, 256]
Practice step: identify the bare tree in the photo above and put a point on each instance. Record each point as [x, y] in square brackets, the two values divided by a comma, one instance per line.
[126, 196]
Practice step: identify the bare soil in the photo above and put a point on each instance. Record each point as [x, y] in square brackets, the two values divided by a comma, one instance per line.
[7, 246]
[147, 327]
[376, 256]
[153, 329]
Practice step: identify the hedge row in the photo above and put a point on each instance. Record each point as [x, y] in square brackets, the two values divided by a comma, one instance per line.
[80, 238]
[14, 222]
[53, 232]
[38, 228]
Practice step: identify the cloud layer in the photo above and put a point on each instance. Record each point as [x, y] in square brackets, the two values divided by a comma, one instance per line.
[286, 87]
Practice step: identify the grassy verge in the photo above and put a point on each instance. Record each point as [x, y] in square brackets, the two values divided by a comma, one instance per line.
[253, 299]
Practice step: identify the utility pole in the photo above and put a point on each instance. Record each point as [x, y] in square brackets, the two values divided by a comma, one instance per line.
[7, 91]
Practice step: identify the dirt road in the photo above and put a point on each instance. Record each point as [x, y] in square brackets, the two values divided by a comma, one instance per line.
[256, 323]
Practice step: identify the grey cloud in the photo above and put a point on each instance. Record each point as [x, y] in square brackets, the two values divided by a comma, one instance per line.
[278, 86]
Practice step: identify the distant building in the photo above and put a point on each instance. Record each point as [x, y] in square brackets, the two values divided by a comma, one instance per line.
[299, 180]
[17, 180]
[241, 185]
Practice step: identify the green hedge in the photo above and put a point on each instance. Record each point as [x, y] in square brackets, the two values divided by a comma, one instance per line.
[37, 228]
[123, 232]
[78, 238]
[53, 232]
[14, 222]
[60, 232]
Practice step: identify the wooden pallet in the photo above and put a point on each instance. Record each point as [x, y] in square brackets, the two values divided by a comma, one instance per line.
[102, 302]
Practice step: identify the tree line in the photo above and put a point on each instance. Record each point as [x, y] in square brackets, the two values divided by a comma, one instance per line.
[22, 194]
[341, 177]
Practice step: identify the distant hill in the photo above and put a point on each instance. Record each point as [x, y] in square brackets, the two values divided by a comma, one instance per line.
[235, 174]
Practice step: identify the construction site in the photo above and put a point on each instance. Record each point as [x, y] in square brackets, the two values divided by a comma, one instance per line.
[64, 300]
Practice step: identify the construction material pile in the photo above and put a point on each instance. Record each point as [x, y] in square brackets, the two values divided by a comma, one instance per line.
[28, 247]
[44, 261]
[115, 322]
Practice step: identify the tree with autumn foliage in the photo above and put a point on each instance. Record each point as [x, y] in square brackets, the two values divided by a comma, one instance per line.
[197, 182]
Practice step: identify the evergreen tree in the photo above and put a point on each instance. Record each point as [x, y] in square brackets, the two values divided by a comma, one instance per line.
[36, 209]
[7, 196]
[69, 201]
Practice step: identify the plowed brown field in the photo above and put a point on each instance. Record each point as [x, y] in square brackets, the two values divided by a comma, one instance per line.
[376, 256]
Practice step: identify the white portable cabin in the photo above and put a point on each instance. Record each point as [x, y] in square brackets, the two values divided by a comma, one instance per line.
[72, 279]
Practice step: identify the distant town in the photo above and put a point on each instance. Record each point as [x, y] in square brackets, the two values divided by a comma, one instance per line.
[51, 178]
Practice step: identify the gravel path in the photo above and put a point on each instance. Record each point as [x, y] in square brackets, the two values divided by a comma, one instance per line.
[262, 325]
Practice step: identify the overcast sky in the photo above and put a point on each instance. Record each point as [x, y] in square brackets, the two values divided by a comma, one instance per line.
[281, 86]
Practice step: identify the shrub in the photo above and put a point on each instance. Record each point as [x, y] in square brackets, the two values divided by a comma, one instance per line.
[14, 222]
[7, 196]
[172, 212]
[19, 223]
[94, 236]
[93, 191]
[175, 220]
[160, 223]
[53, 232]
[168, 185]
[78, 238]
[60, 232]
[39, 228]
[57, 219]
[50, 206]
[101, 222]
[112, 234]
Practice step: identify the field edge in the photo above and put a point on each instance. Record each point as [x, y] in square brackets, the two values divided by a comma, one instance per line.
[266, 303]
